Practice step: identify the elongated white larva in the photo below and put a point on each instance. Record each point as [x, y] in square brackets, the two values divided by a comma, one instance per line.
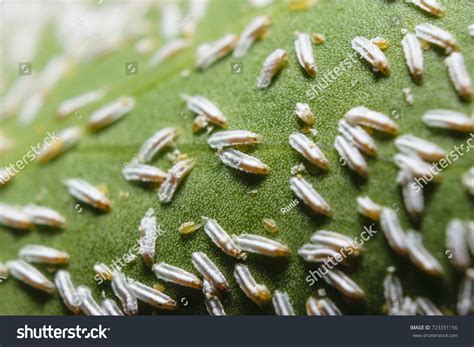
[321, 307]
[336, 241]
[87, 193]
[408, 307]
[430, 6]
[203, 107]
[87, 303]
[344, 284]
[223, 139]
[305, 191]
[144, 173]
[156, 142]
[44, 216]
[152, 296]
[243, 162]
[5, 176]
[470, 30]
[436, 36]
[210, 271]
[30, 275]
[414, 165]
[363, 116]
[208, 53]
[111, 113]
[450, 120]
[425, 307]
[62, 142]
[358, 136]
[393, 292]
[148, 234]
[459, 75]
[222, 239]
[282, 304]
[123, 292]
[303, 111]
[170, 49]
[470, 235]
[308, 149]
[176, 175]
[420, 256]
[393, 230]
[465, 304]
[213, 304]
[256, 29]
[372, 53]
[412, 194]
[456, 244]
[272, 65]
[468, 181]
[43, 254]
[413, 55]
[66, 290]
[176, 275]
[262, 245]
[368, 208]
[111, 308]
[317, 253]
[16, 218]
[69, 106]
[304, 53]
[351, 155]
[103, 271]
[258, 293]
[426, 150]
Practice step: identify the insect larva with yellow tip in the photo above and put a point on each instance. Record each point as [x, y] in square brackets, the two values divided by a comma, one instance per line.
[270, 225]
[436, 36]
[262, 245]
[87, 193]
[5, 176]
[450, 120]
[16, 218]
[430, 6]
[222, 239]
[67, 107]
[176, 175]
[305, 192]
[312, 253]
[468, 181]
[358, 136]
[43, 254]
[393, 292]
[223, 139]
[169, 50]
[211, 299]
[210, 52]
[152, 296]
[367, 118]
[308, 149]
[64, 141]
[413, 55]
[258, 293]
[393, 231]
[272, 65]
[459, 75]
[336, 241]
[380, 42]
[188, 228]
[456, 244]
[173, 274]
[156, 142]
[87, 303]
[210, 271]
[372, 54]
[148, 234]
[203, 107]
[413, 197]
[255, 30]
[368, 208]
[351, 156]
[344, 284]
[122, 290]
[30, 275]
[144, 173]
[465, 304]
[282, 304]
[424, 149]
[111, 113]
[303, 111]
[199, 123]
[44, 216]
[243, 162]
[66, 290]
[425, 307]
[420, 256]
[304, 53]
[111, 308]
[103, 271]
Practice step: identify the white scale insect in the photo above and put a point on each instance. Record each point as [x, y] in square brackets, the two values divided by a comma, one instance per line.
[103, 271]
[456, 245]
[169, 50]
[308, 149]
[468, 180]
[420, 256]
[336, 241]
[156, 142]
[393, 230]
[176, 175]
[148, 234]
[321, 306]
[272, 65]
[304, 53]
[87, 303]
[413, 55]
[317, 253]
[64, 141]
[305, 191]
[16, 218]
[176, 275]
[303, 112]
[262, 245]
[152, 296]
[358, 136]
[223, 139]
[210, 271]
[436, 36]
[66, 290]
[222, 239]
[465, 304]
[430, 6]
[43, 254]
[44, 216]
[372, 53]
[368, 208]
[124, 293]
[211, 299]
[5, 176]
[258, 293]
[74, 104]
[255, 30]
[243, 162]
[365, 117]
[111, 308]
[205, 108]
[425, 307]
[282, 304]
[144, 173]
[459, 75]
[111, 113]
[412, 194]
[450, 120]
[426, 150]
[87, 193]
[30, 275]
[344, 284]
[393, 292]
[416, 166]
[208, 53]
[351, 156]
[408, 307]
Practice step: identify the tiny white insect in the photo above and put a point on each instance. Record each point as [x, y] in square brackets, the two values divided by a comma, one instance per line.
[393, 292]
[169, 50]
[223, 139]
[258, 293]
[420, 256]
[304, 53]
[426, 150]
[407, 93]
[243, 162]
[468, 181]
[351, 155]
[148, 234]
[282, 304]
[44, 216]
[470, 30]
[222, 239]
[111, 308]
[123, 292]
[459, 75]
[470, 235]
[321, 307]
[210, 52]
[205, 108]
[317, 253]
[358, 136]
[69, 106]
[16, 218]
[103, 271]
[412, 194]
[408, 307]
[111, 113]
[152, 296]
[365, 117]
[144, 173]
[176, 275]
[309, 150]
[87, 303]
[465, 304]
[336, 241]
[210, 271]
[5, 176]
[176, 175]
[437, 36]
[62, 142]
[413, 55]
[30, 275]
[87, 193]
[456, 244]
[66, 290]
[372, 53]
[303, 111]
[272, 65]
[157, 142]
[211, 299]
[255, 30]
[262, 245]
[344, 284]
[43, 254]
[430, 6]
[449, 120]
[368, 208]
[305, 191]
[393, 230]
[416, 166]
[425, 307]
